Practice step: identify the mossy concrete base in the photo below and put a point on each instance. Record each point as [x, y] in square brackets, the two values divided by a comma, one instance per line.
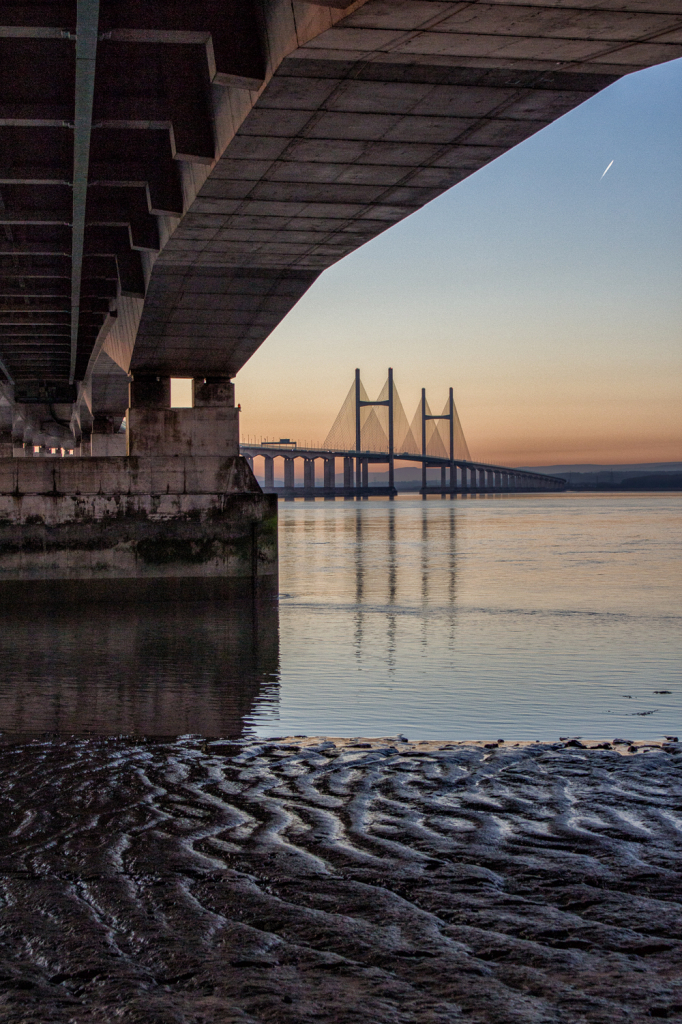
[182, 527]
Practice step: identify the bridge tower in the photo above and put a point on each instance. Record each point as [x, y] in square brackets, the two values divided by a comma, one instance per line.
[361, 464]
[450, 417]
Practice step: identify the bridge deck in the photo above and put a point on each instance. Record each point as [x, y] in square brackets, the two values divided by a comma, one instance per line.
[483, 478]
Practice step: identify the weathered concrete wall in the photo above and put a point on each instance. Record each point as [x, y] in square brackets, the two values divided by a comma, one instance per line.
[183, 431]
[108, 444]
[175, 526]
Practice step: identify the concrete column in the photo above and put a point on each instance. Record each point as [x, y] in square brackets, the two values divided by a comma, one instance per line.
[347, 477]
[211, 427]
[309, 474]
[86, 443]
[329, 475]
[289, 472]
[490, 480]
[443, 481]
[497, 477]
[365, 473]
[105, 438]
[269, 472]
[481, 479]
[17, 436]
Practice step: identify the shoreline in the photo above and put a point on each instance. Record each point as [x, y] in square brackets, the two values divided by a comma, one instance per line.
[622, 746]
[399, 743]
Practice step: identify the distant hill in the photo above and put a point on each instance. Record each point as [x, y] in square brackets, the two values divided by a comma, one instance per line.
[619, 471]
[652, 482]
[633, 476]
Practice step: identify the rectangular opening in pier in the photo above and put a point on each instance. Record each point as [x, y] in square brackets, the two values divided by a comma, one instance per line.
[181, 393]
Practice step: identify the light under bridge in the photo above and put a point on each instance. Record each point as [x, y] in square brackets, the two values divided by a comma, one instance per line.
[377, 432]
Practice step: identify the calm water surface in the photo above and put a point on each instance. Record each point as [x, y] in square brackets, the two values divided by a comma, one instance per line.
[524, 617]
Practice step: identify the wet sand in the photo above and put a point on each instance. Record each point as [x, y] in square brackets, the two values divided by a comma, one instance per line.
[309, 879]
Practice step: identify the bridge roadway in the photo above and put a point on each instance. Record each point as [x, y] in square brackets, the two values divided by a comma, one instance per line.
[457, 477]
[174, 176]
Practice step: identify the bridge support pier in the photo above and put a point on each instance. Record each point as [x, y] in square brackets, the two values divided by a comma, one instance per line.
[289, 477]
[365, 475]
[347, 477]
[269, 472]
[309, 479]
[181, 516]
[329, 477]
[105, 439]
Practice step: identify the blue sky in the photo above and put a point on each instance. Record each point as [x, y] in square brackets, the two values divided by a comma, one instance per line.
[548, 296]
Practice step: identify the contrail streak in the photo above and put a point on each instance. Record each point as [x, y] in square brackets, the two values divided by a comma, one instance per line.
[606, 170]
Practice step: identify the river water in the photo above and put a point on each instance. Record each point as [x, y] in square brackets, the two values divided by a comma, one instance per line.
[515, 617]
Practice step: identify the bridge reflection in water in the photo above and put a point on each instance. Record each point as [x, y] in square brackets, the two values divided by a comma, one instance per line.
[163, 669]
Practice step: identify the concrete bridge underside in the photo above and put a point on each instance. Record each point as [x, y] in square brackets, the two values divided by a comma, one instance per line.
[174, 176]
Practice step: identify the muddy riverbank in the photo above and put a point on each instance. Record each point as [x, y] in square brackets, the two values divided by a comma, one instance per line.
[300, 880]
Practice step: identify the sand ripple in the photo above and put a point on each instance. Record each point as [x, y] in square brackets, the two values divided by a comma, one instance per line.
[215, 882]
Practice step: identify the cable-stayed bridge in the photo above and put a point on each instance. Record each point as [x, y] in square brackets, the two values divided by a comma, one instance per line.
[371, 432]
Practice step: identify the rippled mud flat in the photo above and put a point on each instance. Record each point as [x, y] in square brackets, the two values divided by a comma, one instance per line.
[309, 880]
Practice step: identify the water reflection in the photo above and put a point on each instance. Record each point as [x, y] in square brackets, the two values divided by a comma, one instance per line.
[529, 616]
[160, 669]
[386, 572]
